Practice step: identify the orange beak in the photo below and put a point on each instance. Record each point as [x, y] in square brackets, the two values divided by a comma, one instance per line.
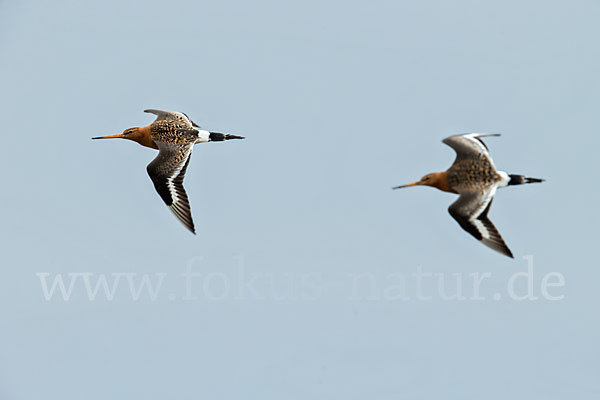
[118, 136]
[417, 183]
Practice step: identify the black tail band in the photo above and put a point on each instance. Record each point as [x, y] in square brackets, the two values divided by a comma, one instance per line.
[522, 179]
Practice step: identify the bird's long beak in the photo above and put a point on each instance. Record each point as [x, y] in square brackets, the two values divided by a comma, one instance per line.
[120, 135]
[219, 137]
[417, 183]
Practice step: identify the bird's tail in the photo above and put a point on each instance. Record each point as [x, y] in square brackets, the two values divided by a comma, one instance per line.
[522, 179]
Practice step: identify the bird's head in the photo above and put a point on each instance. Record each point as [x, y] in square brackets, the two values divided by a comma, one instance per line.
[141, 135]
[435, 179]
[130, 133]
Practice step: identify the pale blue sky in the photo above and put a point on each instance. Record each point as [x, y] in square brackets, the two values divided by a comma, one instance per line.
[300, 241]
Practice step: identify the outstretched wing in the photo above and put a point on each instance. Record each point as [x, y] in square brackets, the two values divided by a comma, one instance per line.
[172, 115]
[167, 171]
[470, 146]
[470, 210]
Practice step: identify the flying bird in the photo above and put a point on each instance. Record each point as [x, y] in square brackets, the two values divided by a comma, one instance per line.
[475, 179]
[174, 135]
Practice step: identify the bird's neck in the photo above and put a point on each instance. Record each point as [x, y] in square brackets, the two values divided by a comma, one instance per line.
[144, 137]
[440, 181]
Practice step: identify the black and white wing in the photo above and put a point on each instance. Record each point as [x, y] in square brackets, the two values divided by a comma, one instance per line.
[172, 115]
[469, 146]
[470, 210]
[167, 171]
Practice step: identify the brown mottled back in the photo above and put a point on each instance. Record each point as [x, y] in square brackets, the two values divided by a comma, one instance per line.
[172, 131]
[472, 174]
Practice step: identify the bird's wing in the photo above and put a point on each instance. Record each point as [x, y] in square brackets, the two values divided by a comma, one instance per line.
[173, 115]
[469, 146]
[470, 210]
[167, 171]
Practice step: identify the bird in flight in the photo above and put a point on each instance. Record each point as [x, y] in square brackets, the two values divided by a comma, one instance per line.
[475, 179]
[174, 135]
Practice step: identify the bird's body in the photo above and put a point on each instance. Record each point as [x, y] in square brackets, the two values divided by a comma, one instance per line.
[174, 135]
[475, 179]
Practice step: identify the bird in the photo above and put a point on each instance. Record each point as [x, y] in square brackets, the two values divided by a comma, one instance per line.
[475, 179]
[174, 135]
